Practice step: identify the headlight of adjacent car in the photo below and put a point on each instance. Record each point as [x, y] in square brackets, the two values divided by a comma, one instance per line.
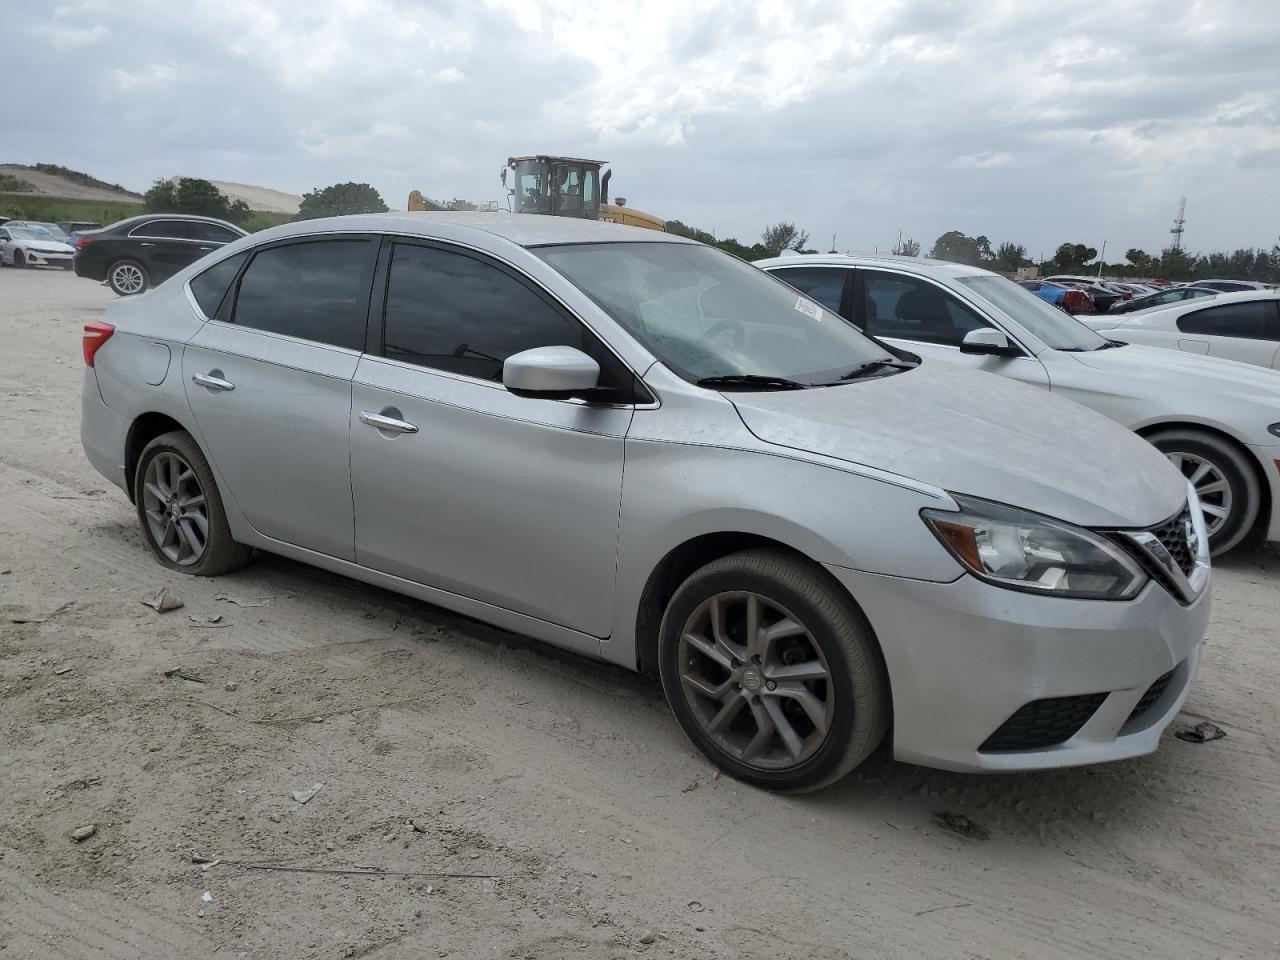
[1025, 551]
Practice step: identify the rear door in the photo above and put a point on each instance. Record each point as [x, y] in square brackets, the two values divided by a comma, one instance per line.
[512, 501]
[927, 319]
[1248, 332]
[164, 247]
[269, 382]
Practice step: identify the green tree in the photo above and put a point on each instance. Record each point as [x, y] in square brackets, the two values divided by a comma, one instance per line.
[457, 203]
[1143, 263]
[339, 200]
[1010, 256]
[194, 196]
[907, 248]
[783, 236]
[1071, 257]
[960, 248]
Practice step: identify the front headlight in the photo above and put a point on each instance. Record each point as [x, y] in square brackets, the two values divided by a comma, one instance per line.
[1025, 551]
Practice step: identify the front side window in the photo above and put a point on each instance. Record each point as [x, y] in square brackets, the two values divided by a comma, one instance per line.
[532, 189]
[1256, 320]
[449, 311]
[1051, 326]
[706, 314]
[211, 286]
[899, 305]
[317, 290]
[824, 284]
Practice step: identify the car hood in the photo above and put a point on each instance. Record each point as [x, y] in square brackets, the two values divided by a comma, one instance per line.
[978, 434]
[45, 246]
[1186, 372]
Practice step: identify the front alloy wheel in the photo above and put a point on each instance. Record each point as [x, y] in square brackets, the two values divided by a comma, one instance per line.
[773, 671]
[755, 680]
[1229, 490]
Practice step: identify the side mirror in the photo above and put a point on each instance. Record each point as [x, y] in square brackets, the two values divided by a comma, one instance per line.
[988, 341]
[551, 373]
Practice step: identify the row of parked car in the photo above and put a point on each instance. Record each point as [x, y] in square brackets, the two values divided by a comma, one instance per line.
[1089, 295]
[131, 255]
[860, 502]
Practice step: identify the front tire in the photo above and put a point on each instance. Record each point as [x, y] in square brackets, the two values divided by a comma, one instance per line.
[128, 278]
[19, 260]
[773, 672]
[1230, 494]
[181, 511]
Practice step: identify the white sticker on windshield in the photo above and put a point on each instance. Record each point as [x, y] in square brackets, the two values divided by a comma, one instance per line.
[809, 307]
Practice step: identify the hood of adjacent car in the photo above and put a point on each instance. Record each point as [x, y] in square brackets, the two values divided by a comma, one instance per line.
[1186, 372]
[45, 246]
[978, 434]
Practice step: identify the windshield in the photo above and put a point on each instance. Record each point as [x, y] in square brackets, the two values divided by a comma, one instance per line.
[706, 314]
[1058, 330]
[31, 233]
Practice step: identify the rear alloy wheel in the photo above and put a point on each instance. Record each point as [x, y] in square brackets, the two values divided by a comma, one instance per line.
[127, 277]
[181, 511]
[773, 672]
[1230, 496]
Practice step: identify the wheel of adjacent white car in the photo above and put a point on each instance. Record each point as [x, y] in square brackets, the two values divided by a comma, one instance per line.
[128, 277]
[1229, 491]
[181, 510]
[19, 259]
[772, 671]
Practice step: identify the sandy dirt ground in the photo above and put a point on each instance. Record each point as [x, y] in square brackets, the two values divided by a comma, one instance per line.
[486, 797]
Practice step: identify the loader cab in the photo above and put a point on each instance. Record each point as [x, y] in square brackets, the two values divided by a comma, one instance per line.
[555, 186]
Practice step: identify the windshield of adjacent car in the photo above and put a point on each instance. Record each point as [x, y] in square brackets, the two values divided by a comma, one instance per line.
[706, 314]
[30, 233]
[1056, 329]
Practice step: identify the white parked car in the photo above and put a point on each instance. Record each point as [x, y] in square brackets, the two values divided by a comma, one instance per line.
[33, 247]
[1235, 326]
[1217, 420]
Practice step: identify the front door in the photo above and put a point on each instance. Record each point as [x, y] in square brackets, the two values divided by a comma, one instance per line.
[467, 488]
[270, 388]
[1248, 331]
[924, 318]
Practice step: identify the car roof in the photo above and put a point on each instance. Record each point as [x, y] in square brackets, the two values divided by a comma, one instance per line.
[526, 230]
[144, 217]
[923, 264]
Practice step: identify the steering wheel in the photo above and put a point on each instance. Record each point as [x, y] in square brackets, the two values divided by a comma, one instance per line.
[739, 332]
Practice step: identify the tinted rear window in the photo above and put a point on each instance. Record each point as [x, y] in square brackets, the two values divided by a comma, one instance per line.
[209, 287]
[317, 290]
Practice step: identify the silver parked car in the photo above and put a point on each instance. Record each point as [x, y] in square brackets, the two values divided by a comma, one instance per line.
[637, 447]
[1218, 421]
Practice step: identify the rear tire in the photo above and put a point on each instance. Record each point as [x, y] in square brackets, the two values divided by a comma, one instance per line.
[180, 509]
[1229, 490]
[792, 709]
[128, 278]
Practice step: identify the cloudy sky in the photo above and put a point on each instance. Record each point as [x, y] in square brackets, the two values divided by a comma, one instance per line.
[1031, 121]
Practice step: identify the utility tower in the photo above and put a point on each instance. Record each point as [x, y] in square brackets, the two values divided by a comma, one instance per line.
[1179, 224]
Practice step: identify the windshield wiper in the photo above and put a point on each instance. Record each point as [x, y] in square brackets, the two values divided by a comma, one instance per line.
[1110, 344]
[862, 369]
[751, 381]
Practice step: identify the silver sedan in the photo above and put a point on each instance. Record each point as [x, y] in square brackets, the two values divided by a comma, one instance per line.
[639, 448]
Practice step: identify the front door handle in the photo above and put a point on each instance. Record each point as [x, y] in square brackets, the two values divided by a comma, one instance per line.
[383, 422]
[146, 244]
[213, 380]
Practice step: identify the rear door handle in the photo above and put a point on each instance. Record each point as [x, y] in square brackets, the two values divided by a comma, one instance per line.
[146, 244]
[212, 381]
[390, 424]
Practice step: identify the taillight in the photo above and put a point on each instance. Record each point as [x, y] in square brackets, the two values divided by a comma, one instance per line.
[95, 335]
[82, 242]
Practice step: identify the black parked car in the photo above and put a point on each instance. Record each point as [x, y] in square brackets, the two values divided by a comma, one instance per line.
[140, 252]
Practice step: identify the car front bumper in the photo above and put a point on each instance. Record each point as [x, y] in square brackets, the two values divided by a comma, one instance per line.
[37, 258]
[964, 657]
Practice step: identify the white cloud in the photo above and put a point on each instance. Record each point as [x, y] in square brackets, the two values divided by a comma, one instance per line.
[1020, 120]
